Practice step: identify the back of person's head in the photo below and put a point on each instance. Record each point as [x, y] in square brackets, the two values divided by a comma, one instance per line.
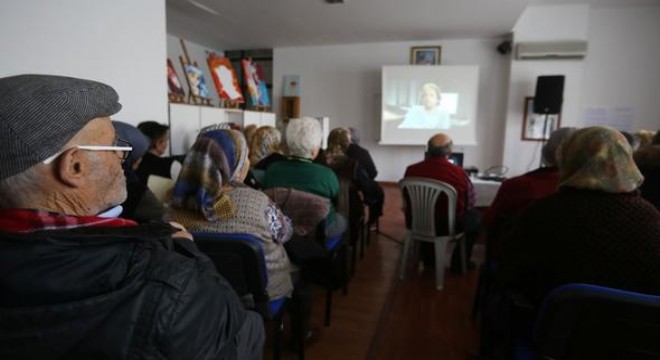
[598, 158]
[153, 130]
[355, 135]
[439, 145]
[549, 151]
[303, 137]
[656, 138]
[338, 141]
[249, 131]
[645, 138]
[233, 144]
[199, 185]
[266, 140]
[135, 137]
[42, 116]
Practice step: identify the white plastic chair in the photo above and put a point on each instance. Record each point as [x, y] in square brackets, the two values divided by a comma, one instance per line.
[423, 195]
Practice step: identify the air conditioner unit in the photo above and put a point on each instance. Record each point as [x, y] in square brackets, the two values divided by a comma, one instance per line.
[551, 50]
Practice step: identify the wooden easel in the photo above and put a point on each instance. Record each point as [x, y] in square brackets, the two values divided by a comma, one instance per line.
[260, 108]
[192, 98]
[176, 98]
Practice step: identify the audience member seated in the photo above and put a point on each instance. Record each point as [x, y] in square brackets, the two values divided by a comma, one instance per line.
[648, 161]
[300, 173]
[437, 167]
[596, 229]
[517, 193]
[141, 204]
[335, 157]
[356, 152]
[153, 162]
[210, 196]
[78, 282]
[265, 149]
[644, 138]
[249, 131]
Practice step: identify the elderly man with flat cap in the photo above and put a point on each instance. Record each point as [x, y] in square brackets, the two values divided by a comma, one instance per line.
[77, 282]
[437, 166]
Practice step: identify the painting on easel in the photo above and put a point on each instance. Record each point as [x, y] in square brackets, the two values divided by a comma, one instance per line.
[225, 79]
[175, 90]
[198, 92]
[256, 87]
[196, 81]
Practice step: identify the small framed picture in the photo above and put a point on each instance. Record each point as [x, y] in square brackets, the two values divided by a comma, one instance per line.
[538, 127]
[425, 55]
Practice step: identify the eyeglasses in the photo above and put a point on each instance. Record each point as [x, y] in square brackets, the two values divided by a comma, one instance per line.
[122, 147]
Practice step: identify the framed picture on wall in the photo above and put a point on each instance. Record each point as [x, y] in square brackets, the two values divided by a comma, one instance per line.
[425, 55]
[538, 127]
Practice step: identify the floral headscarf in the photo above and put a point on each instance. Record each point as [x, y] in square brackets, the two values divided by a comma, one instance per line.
[232, 143]
[598, 158]
[266, 140]
[199, 185]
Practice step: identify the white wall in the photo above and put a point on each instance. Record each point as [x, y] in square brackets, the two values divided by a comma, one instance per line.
[196, 53]
[344, 82]
[119, 42]
[620, 70]
[623, 65]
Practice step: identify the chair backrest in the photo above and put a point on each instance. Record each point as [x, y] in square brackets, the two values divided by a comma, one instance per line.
[160, 186]
[581, 321]
[239, 258]
[420, 195]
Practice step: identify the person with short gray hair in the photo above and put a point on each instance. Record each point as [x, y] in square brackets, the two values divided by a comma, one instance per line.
[303, 138]
[78, 281]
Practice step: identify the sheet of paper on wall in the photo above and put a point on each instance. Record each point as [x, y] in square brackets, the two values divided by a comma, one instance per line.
[621, 118]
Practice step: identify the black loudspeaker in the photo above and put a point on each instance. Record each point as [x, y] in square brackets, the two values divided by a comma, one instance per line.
[549, 94]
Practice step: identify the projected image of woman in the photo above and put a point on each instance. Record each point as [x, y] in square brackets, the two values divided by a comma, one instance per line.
[428, 115]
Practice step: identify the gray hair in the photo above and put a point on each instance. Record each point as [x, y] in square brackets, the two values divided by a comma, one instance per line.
[303, 137]
[18, 190]
[355, 135]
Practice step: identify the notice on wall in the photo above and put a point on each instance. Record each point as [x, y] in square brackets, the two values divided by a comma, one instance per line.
[621, 117]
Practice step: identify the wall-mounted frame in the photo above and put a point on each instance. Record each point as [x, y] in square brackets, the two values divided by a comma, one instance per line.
[536, 127]
[425, 55]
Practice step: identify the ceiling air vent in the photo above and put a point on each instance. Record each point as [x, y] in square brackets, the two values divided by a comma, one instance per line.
[551, 50]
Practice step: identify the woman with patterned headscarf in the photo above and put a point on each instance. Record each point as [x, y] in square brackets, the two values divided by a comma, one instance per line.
[596, 229]
[209, 196]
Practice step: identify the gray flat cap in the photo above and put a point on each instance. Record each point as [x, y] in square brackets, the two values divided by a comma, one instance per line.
[39, 114]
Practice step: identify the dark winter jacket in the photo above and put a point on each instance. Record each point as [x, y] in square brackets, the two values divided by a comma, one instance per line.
[113, 293]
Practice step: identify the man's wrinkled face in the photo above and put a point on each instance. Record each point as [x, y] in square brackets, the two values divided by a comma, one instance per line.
[107, 175]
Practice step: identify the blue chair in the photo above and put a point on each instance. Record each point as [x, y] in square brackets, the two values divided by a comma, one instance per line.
[239, 258]
[582, 321]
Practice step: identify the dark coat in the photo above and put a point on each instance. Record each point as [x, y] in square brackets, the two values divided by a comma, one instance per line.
[113, 293]
[584, 236]
[363, 157]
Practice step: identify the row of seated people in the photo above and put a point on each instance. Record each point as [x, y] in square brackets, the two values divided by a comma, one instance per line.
[81, 280]
[580, 219]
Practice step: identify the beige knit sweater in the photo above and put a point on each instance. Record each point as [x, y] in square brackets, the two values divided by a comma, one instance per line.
[254, 216]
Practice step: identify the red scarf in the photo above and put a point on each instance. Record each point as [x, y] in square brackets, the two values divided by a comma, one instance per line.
[27, 220]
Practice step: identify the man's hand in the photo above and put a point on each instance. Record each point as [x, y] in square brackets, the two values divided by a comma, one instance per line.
[182, 233]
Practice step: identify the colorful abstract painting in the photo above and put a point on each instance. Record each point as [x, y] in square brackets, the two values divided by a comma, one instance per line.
[255, 84]
[173, 83]
[225, 79]
[196, 81]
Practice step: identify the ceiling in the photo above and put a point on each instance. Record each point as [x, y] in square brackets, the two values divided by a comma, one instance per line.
[253, 24]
